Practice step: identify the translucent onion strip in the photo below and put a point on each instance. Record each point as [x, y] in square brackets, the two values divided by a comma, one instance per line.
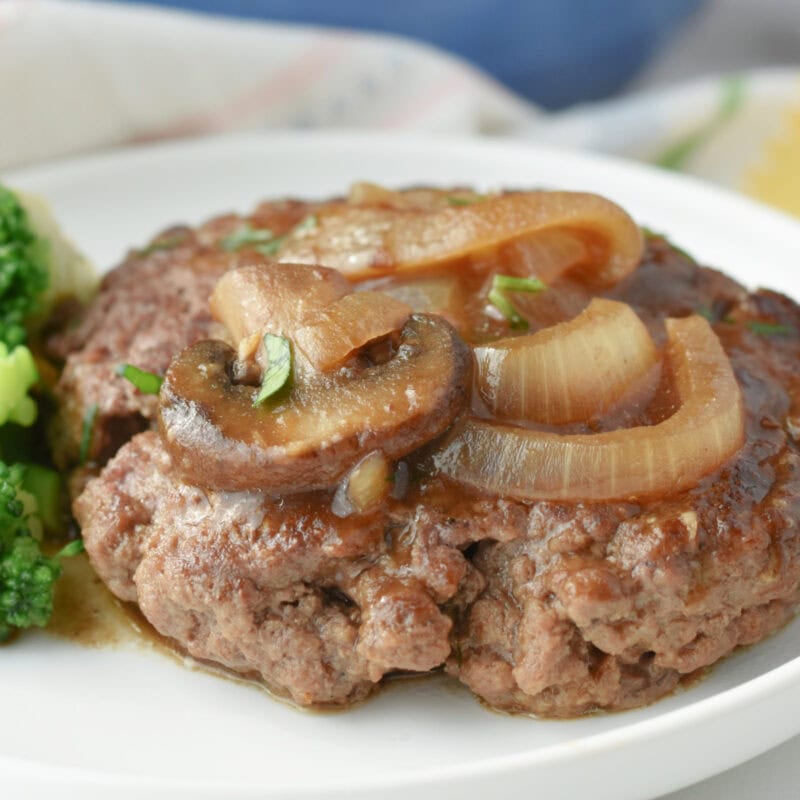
[444, 294]
[534, 233]
[572, 371]
[627, 464]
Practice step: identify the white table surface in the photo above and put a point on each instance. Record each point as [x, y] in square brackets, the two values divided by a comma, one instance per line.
[772, 776]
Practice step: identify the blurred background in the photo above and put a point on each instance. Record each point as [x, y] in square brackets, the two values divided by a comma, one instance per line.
[559, 52]
[555, 52]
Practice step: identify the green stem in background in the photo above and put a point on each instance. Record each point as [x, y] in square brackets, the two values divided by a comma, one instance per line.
[45, 485]
[676, 156]
[86, 433]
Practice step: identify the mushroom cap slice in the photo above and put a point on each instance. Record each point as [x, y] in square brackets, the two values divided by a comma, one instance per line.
[319, 430]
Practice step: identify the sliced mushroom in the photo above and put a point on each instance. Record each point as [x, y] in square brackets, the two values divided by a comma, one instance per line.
[322, 428]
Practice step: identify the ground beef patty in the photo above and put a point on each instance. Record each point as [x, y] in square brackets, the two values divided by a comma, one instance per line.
[549, 608]
[318, 607]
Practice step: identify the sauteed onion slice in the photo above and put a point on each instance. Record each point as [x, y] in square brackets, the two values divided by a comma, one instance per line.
[545, 234]
[572, 371]
[626, 464]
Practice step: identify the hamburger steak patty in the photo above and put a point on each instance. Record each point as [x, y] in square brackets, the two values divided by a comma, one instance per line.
[541, 607]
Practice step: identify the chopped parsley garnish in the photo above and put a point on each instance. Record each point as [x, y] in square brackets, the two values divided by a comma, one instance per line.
[263, 240]
[464, 201]
[163, 243]
[279, 366]
[271, 247]
[769, 328]
[705, 312]
[71, 549]
[86, 433]
[510, 283]
[306, 224]
[246, 236]
[145, 382]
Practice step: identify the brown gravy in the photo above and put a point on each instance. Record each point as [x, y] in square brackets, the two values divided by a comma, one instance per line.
[86, 612]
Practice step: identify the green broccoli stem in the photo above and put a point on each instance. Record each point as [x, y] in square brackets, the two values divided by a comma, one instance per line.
[46, 487]
[27, 576]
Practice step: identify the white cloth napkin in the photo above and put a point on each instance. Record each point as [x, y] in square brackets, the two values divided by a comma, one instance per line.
[78, 76]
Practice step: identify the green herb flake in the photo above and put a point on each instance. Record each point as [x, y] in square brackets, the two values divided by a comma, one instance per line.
[86, 434]
[678, 154]
[279, 366]
[162, 243]
[246, 236]
[145, 382]
[769, 328]
[263, 240]
[306, 224]
[271, 247]
[705, 312]
[458, 202]
[509, 283]
[506, 308]
[72, 549]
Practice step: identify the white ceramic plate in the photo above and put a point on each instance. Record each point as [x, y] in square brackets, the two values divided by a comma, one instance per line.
[130, 723]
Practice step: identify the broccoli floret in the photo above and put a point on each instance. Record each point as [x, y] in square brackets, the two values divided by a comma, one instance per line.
[23, 269]
[17, 374]
[29, 497]
[27, 576]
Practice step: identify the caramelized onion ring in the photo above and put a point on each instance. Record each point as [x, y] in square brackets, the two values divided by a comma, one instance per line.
[571, 371]
[634, 463]
[218, 439]
[538, 233]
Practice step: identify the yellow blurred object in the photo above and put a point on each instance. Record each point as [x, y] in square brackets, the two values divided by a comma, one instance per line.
[776, 178]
